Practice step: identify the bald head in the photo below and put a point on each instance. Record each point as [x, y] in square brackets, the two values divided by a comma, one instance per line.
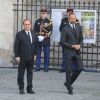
[72, 18]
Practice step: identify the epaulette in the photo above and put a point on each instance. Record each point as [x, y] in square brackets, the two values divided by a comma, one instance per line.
[50, 20]
[77, 21]
[35, 19]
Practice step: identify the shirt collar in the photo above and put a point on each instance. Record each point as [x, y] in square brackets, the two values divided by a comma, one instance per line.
[27, 32]
[72, 25]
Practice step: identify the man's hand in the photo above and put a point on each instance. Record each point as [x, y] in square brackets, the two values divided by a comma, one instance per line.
[47, 35]
[77, 47]
[17, 60]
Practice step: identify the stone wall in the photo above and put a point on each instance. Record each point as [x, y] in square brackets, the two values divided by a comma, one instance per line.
[6, 32]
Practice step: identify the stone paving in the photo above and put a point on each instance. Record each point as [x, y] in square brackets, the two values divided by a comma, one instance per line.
[49, 86]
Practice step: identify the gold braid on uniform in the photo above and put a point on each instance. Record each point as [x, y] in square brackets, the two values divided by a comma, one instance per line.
[49, 24]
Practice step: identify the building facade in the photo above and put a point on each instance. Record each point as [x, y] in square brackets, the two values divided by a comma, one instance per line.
[12, 13]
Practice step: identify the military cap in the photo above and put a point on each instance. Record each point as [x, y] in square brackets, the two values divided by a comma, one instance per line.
[69, 10]
[43, 9]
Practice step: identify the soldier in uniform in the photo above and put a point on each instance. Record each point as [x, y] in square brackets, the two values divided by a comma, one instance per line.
[43, 28]
[64, 21]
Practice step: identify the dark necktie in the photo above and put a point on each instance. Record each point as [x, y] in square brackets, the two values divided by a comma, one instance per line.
[29, 37]
[74, 31]
[74, 28]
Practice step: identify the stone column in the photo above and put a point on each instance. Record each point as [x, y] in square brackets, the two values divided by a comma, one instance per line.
[6, 32]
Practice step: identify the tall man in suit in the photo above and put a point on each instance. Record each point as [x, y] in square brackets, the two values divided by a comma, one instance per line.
[43, 28]
[25, 48]
[71, 39]
[64, 21]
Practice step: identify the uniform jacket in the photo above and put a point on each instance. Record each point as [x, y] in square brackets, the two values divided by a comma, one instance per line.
[48, 29]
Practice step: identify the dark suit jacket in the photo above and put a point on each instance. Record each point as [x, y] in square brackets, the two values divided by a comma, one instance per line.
[68, 38]
[23, 48]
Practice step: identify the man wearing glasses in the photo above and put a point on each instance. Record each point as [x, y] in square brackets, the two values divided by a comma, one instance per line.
[25, 49]
[43, 28]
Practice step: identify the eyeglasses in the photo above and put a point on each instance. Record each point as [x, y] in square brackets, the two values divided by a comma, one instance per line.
[43, 10]
[43, 13]
[27, 24]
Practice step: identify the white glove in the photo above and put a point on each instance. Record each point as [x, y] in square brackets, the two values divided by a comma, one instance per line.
[40, 38]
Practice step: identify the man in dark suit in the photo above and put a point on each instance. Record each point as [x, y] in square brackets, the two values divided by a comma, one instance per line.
[71, 39]
[25, 48]
[64, 21]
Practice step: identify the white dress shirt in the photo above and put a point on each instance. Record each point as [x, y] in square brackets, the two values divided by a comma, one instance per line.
[29, 34]
[72, 25]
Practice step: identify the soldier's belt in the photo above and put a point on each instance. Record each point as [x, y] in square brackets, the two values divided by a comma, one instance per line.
[41, 33]
[44, 33]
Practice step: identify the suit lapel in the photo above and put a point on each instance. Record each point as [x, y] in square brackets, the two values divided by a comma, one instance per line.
[76, 28]
[70, 28]
[26, 36]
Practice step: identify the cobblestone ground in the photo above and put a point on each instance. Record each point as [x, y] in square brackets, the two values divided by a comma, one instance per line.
[49, 86]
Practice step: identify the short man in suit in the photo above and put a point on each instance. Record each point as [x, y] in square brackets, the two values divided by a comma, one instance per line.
[72, 39]
[43, 28]
[25, 48]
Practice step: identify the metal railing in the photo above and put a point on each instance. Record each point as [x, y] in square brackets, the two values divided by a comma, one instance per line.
[31, 9]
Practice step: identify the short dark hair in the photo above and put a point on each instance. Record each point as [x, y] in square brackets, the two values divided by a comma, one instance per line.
[72, 14]
[26, 20]
[43, 10]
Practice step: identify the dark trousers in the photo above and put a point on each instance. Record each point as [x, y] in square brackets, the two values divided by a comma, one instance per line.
[71, 75]
[46, 50]
[28, 65]
[63, 66]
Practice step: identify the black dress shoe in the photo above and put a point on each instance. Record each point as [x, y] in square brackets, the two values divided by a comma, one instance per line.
[30, 92]
[21, 92]
[70, 89]
[61, 71]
